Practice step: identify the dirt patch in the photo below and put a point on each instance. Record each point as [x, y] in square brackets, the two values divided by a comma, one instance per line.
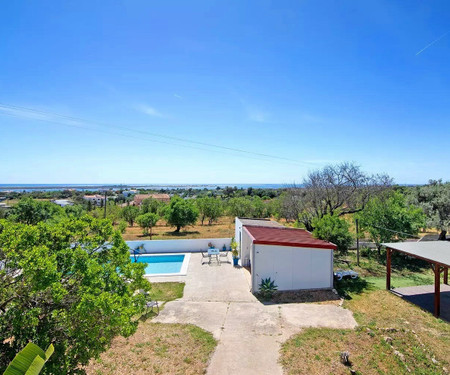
[157, 349]
[306, 296]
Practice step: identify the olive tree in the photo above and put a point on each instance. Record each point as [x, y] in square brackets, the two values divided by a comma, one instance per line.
[434, 198]
[147, 221]
[180, 213]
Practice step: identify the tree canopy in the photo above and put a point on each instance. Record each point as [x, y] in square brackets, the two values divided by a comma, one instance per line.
[209, 208]
[434, 199]
[333, 229]
[147, 221]
[70, 283]
[391, 218]
[180, 213]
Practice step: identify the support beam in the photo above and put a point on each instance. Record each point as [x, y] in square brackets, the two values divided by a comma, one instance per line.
[446, 275]
[437, 290]
[388, 268]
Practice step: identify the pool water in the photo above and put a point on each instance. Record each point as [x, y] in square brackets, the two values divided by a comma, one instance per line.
[161, 264]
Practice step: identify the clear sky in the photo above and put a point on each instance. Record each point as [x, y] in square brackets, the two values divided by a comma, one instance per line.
[85, 87]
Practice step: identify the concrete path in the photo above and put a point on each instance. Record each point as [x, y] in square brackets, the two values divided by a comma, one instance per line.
[217, 299]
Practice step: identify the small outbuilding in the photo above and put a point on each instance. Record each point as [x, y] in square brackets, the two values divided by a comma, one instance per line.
[291, 257]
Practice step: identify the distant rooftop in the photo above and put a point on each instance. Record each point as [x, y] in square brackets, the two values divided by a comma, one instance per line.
[283, 236]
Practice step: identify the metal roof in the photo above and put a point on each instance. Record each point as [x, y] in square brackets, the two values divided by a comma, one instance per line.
[286, 237]
[432, 251]
[259, 222]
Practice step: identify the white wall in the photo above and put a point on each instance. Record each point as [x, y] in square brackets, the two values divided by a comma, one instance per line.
[293, 268]
[179, 246]
[238, 231]
[246, 248]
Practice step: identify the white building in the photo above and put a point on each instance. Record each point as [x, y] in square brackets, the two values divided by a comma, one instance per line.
[291, 257]
[128, 193]
[96, 200]
[63, 202]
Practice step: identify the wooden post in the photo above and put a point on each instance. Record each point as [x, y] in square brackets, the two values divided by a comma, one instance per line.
[388, 268]
[446, 275]
[357, 241]
[437, 290]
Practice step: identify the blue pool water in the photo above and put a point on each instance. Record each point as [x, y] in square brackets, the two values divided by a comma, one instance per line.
[160, 264]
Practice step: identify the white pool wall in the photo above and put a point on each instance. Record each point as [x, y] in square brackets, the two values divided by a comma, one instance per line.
[179, 246]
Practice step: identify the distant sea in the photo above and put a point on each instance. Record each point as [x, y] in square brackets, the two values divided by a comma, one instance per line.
[84, 187]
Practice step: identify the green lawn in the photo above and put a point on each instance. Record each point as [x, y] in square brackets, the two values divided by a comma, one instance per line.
[167, 291]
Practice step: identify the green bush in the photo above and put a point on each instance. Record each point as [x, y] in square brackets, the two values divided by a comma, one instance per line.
[333, 229]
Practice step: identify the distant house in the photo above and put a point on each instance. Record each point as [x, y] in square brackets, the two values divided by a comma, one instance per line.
[127, 193]
[138, 198]
[96, 199]
[63, 202]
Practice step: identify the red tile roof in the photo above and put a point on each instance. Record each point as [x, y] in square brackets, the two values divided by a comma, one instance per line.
[286, 237]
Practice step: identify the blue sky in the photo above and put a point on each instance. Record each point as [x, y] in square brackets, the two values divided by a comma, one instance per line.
[312, 82]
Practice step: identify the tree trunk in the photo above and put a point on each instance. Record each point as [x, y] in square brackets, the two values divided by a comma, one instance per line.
[178, 229]
[442, 235]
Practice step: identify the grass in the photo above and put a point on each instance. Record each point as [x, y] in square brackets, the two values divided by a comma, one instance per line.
[157, 349]
[372, 272]
[222, 229]
[167, 291]
[393, 337]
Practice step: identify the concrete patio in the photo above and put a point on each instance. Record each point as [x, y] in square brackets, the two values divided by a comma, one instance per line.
[217, 298]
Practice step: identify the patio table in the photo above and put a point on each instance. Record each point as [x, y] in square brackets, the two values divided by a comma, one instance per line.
[213, 252]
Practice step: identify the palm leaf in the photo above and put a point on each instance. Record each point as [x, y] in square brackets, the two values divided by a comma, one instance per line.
[29, 361]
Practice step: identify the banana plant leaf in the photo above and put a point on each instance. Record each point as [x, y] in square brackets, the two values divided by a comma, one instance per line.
[29, 361]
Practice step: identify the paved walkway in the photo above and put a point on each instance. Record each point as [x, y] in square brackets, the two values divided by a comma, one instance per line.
[217, 299]
[423, 296]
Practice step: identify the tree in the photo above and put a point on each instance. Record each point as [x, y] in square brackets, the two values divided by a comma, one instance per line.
[30, 211]
[336, 189]
[181, 213]
[151, 205]
[333, 229]
[75, 211]
[209, 208]
[434, 199]
[240, 207]
[129, 214]
[390, 219]
[70, 283]
[147, 221]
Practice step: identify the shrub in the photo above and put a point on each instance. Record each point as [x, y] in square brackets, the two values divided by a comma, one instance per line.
[333, 229]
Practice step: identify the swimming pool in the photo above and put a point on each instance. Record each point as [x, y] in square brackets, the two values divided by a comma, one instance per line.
[164, 264]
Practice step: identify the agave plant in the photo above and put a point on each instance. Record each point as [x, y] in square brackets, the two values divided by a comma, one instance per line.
[29, 361]
[267, 288]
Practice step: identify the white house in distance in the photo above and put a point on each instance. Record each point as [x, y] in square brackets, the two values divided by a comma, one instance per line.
[96, 200]
[291, 257]
[62, 202]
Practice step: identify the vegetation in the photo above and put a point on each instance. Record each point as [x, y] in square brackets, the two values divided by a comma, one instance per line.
[157, 349]
[181, 213]
[392, 337]
[333, 229]
[30, 360]
[267, 288]
[147, 221]
[209, 208]
[434, 199]
[130, 213]
[67, 281]
[391, 218]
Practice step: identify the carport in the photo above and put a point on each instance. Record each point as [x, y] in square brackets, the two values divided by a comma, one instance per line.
[437, 253]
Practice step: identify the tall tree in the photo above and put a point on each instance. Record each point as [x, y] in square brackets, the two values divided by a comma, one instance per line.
[30, 211]
[434, 199]
[390, 219]
[129, 214]
[333, 229]
[209, 208]
[69, 282]
[147, 221]
[181, 213]
[336, 190]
